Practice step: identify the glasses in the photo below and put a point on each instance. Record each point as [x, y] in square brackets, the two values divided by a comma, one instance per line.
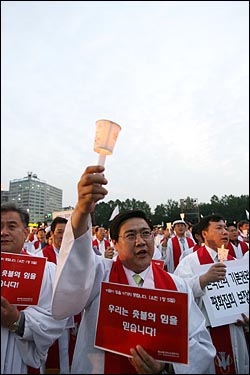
[131, 236]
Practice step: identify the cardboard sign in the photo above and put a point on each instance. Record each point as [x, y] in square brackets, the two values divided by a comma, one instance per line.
[154, 318]
[21, 278]
[227, 299]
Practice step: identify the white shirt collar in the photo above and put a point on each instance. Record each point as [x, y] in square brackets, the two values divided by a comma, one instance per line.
[144, 275]
[212, 252]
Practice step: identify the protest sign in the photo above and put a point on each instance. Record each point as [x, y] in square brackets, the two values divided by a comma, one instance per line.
[154, 318]
[225, 300]
[21, 278]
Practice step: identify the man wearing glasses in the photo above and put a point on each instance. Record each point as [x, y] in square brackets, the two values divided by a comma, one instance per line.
[80, 273]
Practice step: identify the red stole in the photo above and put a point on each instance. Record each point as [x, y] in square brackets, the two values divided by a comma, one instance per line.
[220, 335]
[177, 249]
[36, 244]
[49, 253]
[243, 246]
[119, 364]
[196, 247]
[96, 243]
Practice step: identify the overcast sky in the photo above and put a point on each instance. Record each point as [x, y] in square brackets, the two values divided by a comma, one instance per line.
[174, 75]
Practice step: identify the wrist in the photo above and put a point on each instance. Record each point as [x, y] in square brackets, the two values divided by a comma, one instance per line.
[164, 370]
[18, 326]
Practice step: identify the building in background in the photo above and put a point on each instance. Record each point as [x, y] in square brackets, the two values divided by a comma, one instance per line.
[4, 195]
[36, 196]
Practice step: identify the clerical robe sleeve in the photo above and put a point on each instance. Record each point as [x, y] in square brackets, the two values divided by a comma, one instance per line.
[75, 273]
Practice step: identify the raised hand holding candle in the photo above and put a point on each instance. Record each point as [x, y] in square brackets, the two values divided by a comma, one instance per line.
[105, 138]
[222, 253]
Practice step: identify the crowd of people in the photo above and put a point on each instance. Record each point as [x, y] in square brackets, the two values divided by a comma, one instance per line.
[58, 334]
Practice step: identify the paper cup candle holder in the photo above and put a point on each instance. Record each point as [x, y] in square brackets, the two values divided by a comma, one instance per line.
[105, 138]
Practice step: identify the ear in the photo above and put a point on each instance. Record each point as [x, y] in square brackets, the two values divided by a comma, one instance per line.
[26, 232]
[203, 233]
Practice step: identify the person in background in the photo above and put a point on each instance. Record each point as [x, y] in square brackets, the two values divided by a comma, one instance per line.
[61, 352]
[163, 242]
[101, 245]
[57, 228]
[26, 332]
[80, 273]
[236, 247]
[228, 339]
[243, 230]
[189, 230]
[41, 241]
[159, 235]
[198, 241]
[177, 245]
[29, 241]
[49, 239]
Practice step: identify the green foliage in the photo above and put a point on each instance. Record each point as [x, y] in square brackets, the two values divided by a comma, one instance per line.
[230, 207]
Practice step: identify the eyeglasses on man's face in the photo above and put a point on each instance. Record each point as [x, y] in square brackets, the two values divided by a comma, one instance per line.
[131, 236]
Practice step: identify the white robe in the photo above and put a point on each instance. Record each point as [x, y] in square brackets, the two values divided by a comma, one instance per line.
[187, 269]
[169, 260]
[41, 330]
[77, 288]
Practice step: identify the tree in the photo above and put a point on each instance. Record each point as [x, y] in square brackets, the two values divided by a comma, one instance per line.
[160, 214]
[230, 207]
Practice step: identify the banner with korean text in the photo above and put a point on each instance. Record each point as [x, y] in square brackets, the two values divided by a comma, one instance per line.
[154, 318]
[225, 300]
[21, 278]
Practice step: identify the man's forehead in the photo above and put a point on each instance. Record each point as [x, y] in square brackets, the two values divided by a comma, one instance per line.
[134, 222]
[218, 223]
[10, 216]
[60, 226]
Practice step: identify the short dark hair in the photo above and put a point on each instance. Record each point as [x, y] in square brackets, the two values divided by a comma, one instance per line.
[123, 216]
[98, 227]
[57, 220]
[241, 223]
[196, 230]
[205, 221]
[24, 216]
[232, 225]
[41, 230]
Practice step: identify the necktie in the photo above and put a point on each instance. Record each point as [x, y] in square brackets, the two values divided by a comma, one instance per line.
[182, 240]
[138, 279]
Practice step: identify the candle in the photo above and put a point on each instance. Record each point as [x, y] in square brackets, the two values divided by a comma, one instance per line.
[105, 138]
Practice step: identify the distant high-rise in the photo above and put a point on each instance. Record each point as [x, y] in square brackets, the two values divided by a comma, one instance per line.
[36, 196]
[4, 196]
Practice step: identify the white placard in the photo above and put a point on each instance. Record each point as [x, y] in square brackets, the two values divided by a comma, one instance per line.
[225, 300]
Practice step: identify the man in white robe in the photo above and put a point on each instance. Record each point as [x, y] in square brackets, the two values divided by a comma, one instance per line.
[215, 234]
[25, 335]
[80, 273]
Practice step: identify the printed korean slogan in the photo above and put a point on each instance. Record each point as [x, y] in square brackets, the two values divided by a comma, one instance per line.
[154, 318]
[225, 300]
[21, 278]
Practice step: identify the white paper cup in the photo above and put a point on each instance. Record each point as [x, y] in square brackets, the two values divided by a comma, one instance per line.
[106, 136]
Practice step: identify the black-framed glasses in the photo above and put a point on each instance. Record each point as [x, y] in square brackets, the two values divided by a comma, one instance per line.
[131, 236]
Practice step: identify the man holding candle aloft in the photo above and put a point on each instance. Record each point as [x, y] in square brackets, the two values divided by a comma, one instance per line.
[80, 273]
